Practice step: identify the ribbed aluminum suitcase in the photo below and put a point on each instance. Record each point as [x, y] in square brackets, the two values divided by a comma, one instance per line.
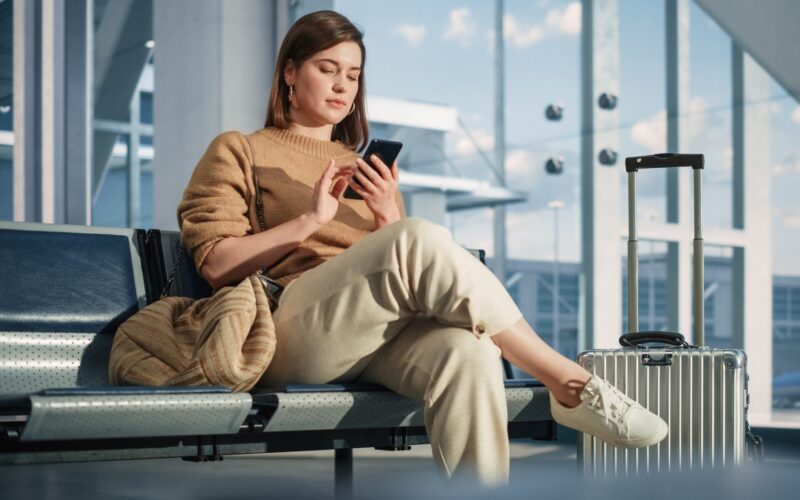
[700, 392]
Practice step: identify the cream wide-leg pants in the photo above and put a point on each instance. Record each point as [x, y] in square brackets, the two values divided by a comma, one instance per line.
[408, 308]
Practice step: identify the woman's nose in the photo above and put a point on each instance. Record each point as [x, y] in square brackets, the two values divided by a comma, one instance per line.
[339, 84]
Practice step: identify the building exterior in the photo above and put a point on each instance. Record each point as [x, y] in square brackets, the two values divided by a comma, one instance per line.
[105, 107]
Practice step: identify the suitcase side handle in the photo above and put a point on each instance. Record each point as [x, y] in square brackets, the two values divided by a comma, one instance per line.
[664, 160]
[634, 339]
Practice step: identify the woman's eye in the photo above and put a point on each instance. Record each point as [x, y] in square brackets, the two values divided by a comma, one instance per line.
[327, 71]
[353, 78]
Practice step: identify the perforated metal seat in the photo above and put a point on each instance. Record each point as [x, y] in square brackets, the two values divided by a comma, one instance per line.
[65, 291]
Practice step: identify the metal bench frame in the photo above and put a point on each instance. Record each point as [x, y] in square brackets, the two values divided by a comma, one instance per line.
[259, 432]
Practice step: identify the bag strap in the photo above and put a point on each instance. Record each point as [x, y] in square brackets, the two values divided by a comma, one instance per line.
[256, 191]
[174, 271]
[173, 274]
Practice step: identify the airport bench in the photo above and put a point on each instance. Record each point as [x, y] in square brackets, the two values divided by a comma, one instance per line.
[64, 292]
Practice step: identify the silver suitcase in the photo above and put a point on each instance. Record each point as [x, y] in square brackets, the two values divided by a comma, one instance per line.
[699, 391]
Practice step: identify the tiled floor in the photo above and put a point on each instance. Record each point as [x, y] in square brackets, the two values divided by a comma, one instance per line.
[539, 470]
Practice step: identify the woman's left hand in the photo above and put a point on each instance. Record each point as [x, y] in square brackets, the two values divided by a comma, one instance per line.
[380, 189]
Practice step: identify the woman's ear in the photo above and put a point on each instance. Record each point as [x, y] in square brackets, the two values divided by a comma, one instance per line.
[289, 73]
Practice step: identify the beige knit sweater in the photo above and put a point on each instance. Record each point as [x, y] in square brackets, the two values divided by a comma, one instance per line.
[218, 203]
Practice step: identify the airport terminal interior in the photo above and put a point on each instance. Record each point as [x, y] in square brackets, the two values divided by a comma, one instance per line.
[516, 118]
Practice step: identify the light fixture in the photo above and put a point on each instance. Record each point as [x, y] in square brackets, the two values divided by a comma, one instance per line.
[5, 109]
[554, 165]
[607, 156]
[150, 44]
[607, 100]
[554, 112]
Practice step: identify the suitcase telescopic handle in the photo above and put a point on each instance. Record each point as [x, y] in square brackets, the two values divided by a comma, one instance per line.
[635, 339]
[665, 160]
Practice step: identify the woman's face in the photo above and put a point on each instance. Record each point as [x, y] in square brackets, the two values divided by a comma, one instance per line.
[325, 85]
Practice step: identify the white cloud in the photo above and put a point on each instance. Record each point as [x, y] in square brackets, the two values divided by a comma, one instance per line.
[790, 165]
[464, 146]
[566, 20]
[651, 133]
[531, 234]
[411, 33]
[791, 220]
[796, 115]
[700, 126]
[461, 27]
[520, 163]
[473, 229]
[520, 35]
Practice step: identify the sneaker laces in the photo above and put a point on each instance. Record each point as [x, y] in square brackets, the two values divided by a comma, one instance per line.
[612, 404]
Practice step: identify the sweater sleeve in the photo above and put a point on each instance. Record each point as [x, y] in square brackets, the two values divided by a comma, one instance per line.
[216, 202]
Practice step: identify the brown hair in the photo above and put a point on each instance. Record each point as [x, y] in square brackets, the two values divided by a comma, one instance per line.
[313, 33]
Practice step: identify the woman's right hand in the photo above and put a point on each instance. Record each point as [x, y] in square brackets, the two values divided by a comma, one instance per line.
[327, 191]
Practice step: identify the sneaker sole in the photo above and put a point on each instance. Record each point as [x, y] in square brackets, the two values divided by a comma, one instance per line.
[638, 443]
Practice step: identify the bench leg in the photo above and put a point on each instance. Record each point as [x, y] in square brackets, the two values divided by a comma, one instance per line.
[343, 473]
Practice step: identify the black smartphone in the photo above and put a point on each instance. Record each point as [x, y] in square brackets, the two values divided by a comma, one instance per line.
[387, 151]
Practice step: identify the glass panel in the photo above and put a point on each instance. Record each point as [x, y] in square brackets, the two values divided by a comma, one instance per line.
[642, 105]
[6, 185]
[129, 54]
[111, 204]
[718, 301]
[785, 128]
[542, 65]
[146, 107]
[710, 114]
[146, 207]
[652, 286]
[6, 111]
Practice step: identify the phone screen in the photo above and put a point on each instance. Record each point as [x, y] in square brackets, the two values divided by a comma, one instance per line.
[385, 150]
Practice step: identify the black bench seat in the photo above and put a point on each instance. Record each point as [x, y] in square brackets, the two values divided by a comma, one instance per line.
[64, 292]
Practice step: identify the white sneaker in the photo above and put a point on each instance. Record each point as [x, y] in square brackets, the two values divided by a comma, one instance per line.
[610, 415]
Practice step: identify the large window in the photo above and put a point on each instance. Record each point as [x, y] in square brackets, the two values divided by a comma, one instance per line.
[785, 128]
[123, 143]
[710, 114]
[443, 52]
[642, 105]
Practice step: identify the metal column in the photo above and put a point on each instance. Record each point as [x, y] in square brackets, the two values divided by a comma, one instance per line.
[499, 141]
[198, 92]
[343, 473]
[752, 268]
[679, 209]
[601, 271]
[52, 110]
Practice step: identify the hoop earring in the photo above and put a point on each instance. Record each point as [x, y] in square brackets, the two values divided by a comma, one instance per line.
[352, 108]
[291, 93]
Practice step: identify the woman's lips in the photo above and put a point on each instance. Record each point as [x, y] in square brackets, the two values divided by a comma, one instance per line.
[336, 103]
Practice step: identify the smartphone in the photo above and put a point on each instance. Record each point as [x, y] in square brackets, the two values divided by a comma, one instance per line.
[385, 150]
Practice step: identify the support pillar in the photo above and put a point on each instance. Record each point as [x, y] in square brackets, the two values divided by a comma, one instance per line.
[213, 72]
[752, 270]
[52, 110]
[601, 272]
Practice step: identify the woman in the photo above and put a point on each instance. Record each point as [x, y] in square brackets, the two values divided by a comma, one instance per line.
[371, 295]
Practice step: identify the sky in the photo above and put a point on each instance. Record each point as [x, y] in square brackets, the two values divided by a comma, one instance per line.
[442, 52]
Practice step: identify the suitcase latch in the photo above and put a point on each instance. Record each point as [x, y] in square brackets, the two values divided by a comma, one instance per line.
[664, 359]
